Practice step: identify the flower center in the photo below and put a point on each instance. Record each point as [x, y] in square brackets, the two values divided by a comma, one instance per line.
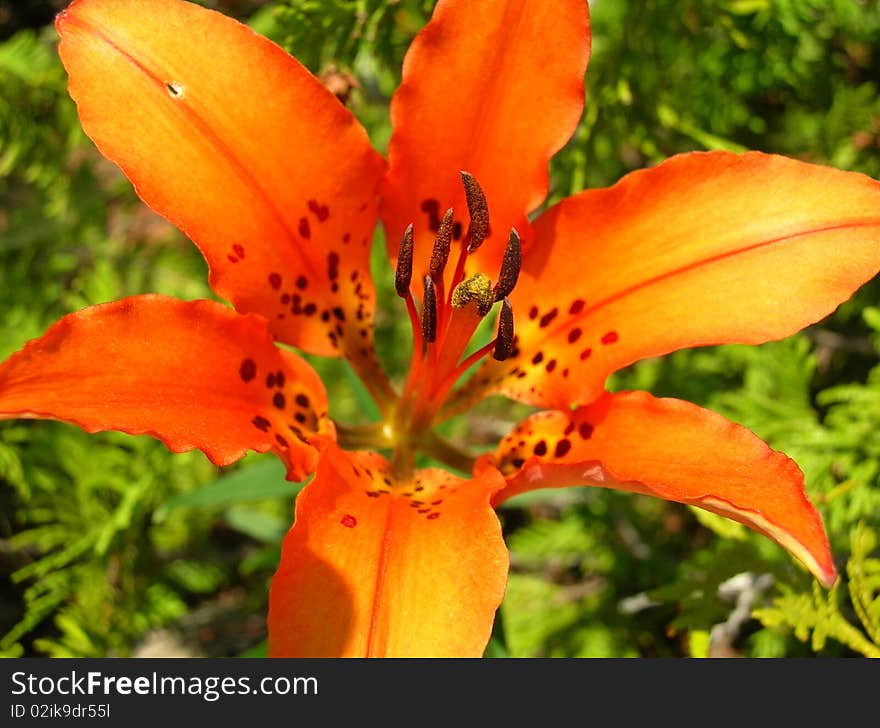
[444, 321]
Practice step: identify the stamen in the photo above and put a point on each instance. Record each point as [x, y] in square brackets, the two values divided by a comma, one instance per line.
[510, 266]
[476, 289]
[504, 340]
[477, 209]
[403, 274]
[442, 243]
[429, 312]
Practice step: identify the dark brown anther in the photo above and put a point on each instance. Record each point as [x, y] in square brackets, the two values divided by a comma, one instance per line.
[504, 340]
[403, 274]
[510, 266]
[442, 243]
[429, 312]
[477, 209]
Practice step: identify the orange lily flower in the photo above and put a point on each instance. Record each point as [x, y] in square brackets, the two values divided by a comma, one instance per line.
[276, 182]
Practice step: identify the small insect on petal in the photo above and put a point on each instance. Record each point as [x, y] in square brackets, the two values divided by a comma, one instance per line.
[175, 90]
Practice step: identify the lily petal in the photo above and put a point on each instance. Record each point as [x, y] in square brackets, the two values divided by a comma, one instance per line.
[482, 93]
[193, 374]
[706, 248]
[376, 568]
[673, 450]
[243, 149]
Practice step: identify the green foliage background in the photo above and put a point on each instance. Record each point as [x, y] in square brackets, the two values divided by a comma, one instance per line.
[109, 545]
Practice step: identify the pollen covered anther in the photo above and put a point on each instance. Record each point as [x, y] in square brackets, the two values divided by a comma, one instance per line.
[477, 290]
[442, 243]
[477, 209]
[510, 266]
[429, 311]
[403, 273]
[504, 339]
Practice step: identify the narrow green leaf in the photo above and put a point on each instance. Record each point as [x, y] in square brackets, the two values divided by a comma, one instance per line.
[262, 480]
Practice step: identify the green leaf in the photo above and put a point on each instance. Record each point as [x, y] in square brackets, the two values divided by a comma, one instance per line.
[260, 650]
[262, 480]
[258, 525]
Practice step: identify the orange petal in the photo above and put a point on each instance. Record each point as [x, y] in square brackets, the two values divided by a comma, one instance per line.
[194, 374]
[239, 146]
[673, 450]
[377, 568]
[481, 93]
[703, 249]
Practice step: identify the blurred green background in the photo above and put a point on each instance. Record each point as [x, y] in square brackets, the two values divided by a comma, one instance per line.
[110, 545]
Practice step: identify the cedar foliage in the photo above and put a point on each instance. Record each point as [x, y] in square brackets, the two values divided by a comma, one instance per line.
[105, 538]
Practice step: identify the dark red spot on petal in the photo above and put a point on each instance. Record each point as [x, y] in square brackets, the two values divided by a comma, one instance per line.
[576, 307]
[585, 430]
[432, 209]
[432, 516]
[281, 441]
[574, 335]
[275, 280]
[247, 370]
[540, 448]
[278, 400]
[348, 520]
[304, 228]
[551, 365]
[232, 259]
[585, 354]
[279, 379]
[261, 423]
[302, 282]
[562, 447]
[238, 250]
[548, 317]
[322, 212]
[302, 400]
[533, 313]
[270, 380]
[610, 338]
[538, 358]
